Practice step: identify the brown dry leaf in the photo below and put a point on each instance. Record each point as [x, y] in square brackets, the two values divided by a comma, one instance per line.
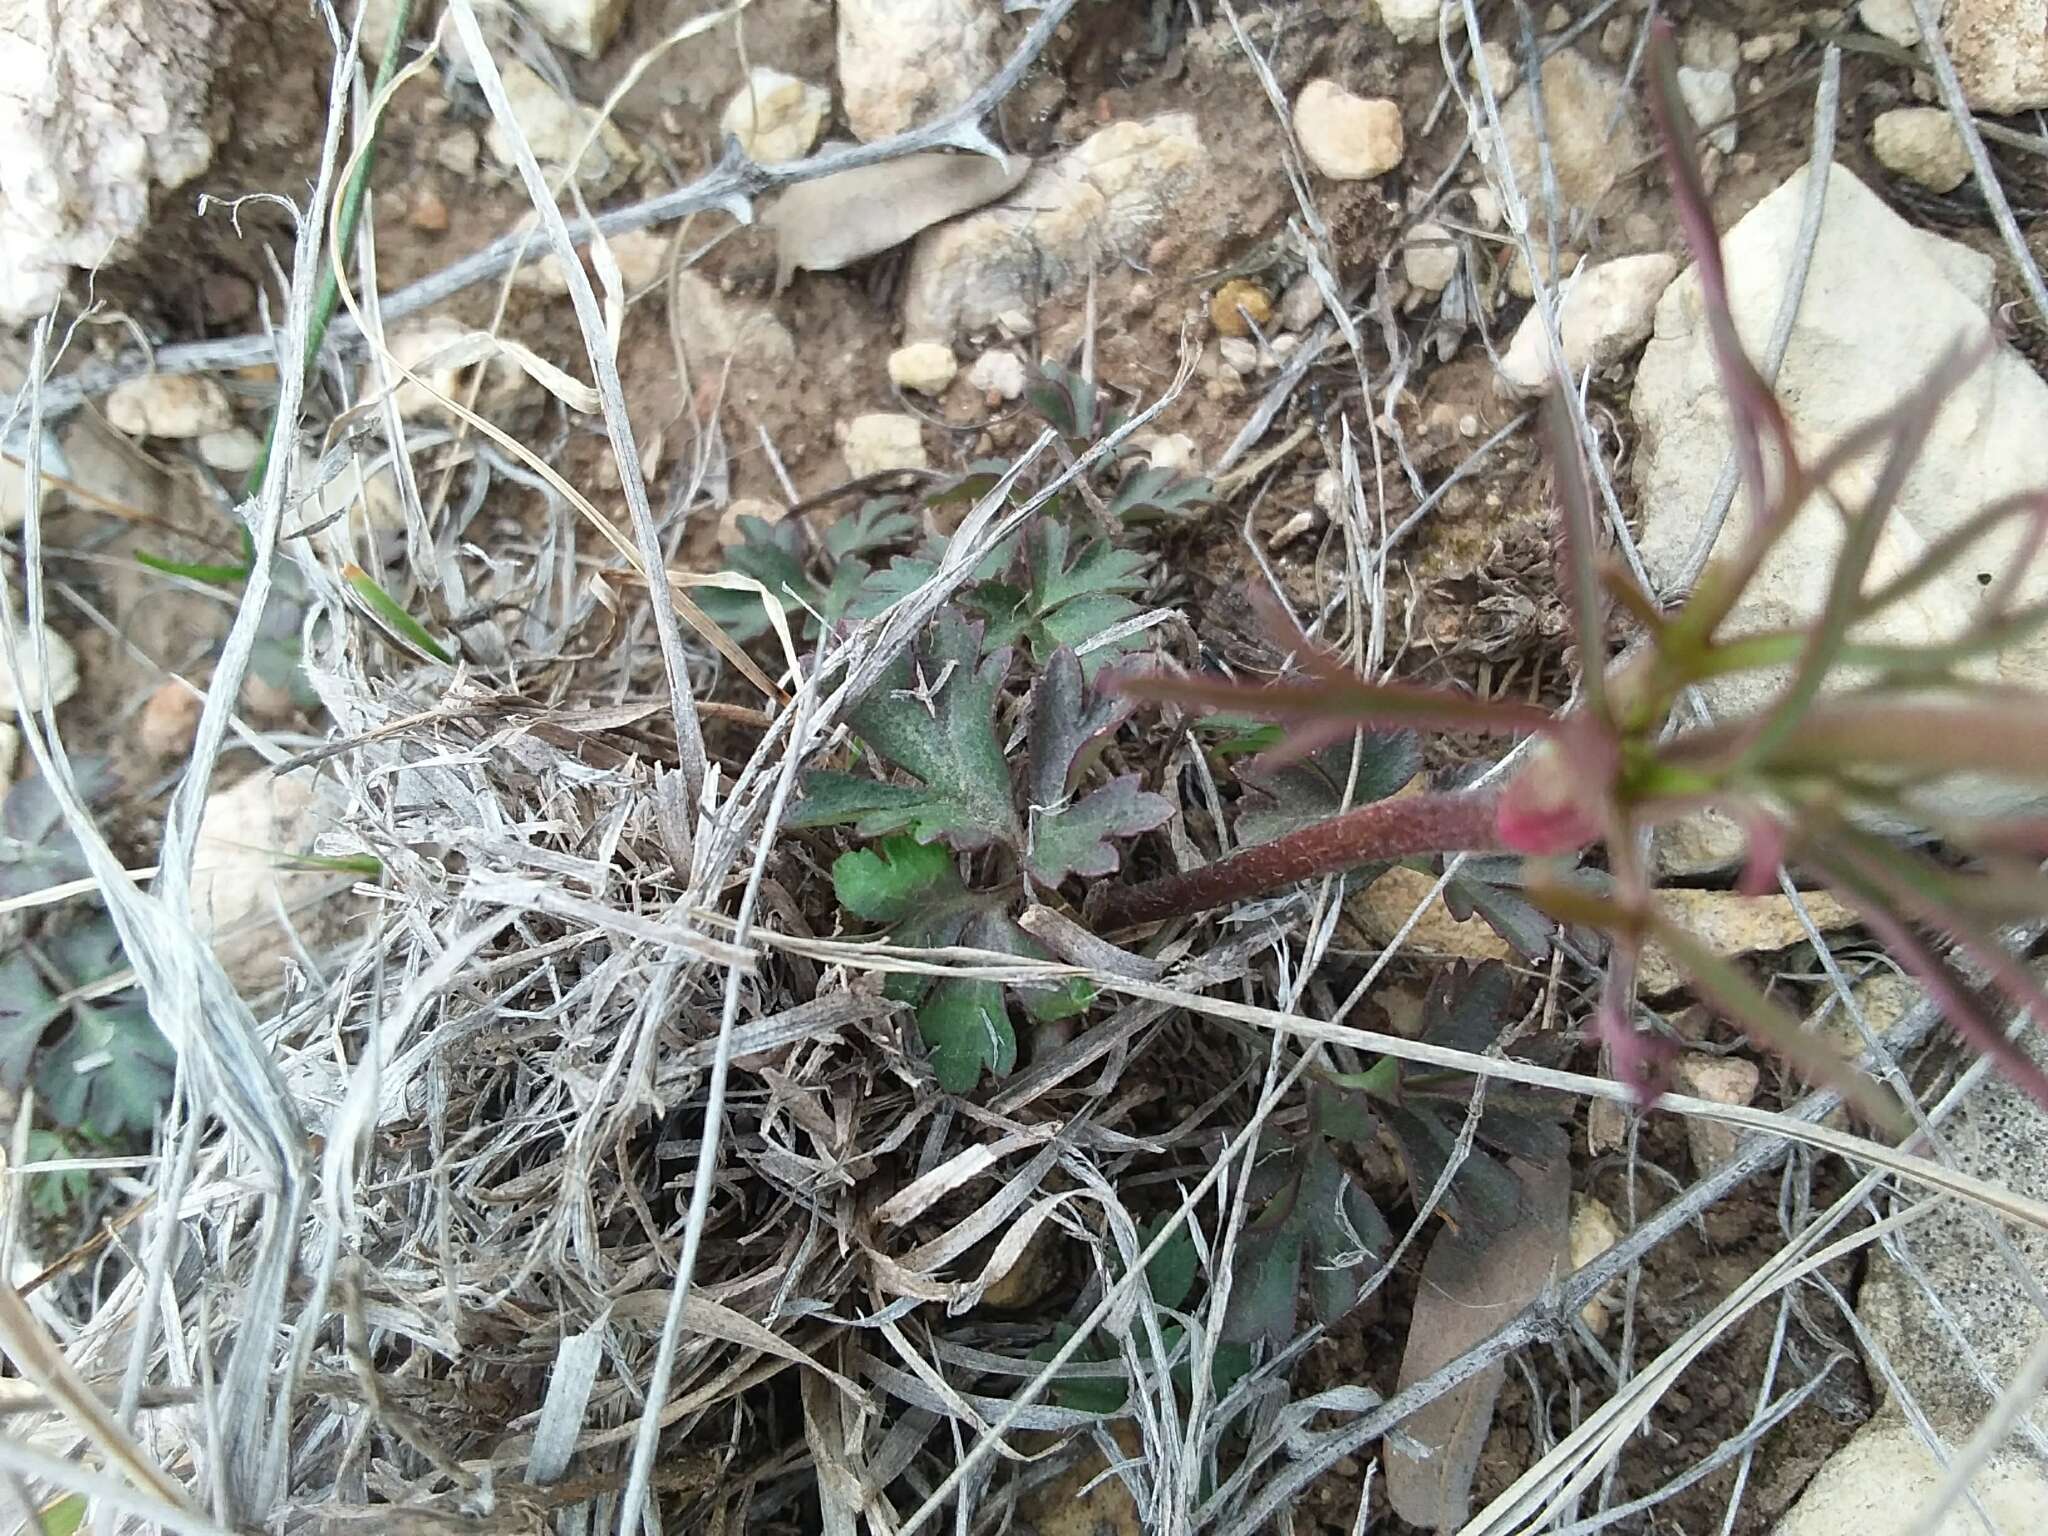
[1471, 1286]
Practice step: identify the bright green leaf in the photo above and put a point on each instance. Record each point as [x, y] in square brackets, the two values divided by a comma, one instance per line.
[884, 884]
[966, 1028]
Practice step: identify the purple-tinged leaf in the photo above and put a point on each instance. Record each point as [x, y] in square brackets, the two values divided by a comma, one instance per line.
[1065, 723]
[1077, 839]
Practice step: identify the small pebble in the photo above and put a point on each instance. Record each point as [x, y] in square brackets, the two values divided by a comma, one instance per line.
[1429, 258]
[998, 375]
[775, 116]
[1921, 143]
[427, 212]
[924, 367]
[232, 451]
[1723, 1080]
[459, 151]
[1301, 305]
[178, 405]
[29, 688]
[1347, 137]
[1236, 300]
[1168, 450]
[1239, 356]
[169, 721]
[1016, 323]
[883, 440]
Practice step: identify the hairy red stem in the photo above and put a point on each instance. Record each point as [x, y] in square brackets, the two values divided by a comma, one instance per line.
[1461, 822]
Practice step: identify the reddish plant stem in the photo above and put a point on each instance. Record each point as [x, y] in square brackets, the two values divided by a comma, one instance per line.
[1387, 829]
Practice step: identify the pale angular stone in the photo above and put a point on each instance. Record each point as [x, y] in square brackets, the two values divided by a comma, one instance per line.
[902, 62]
[179, 405]
[1709, 96]
[1382, 908]
[1411, 21]
[232, 451]
[2001, 1135]
[775, 116]
[1921, 143]
[923, 367]
[1720, 1080]
[1347, 137]
[1607, 312]
[1595, 1229]
[714, 328]
[883, 440]
[1879, 291]
[1579, 99]
[581, 26]
[1429, 257]
[241, 877]
[555, 128]
[100, 106]
[1169, 450]
[1884, 1483]
[1893, 20]
[54, 679]
[998, 372]
[1104, 200]
[10, 755]
[1730, 923]
[2000, 50]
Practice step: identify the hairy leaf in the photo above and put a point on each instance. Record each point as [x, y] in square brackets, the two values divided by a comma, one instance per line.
[37, 849]
[1284, 797]
[1150, 495]
[1059, 596]
[966, 1028]
[886, 883]
[1074, 836]
[933, 714]
[27, 1009]
[1321, 1220]
[1076, 839]
[773, 554]
[110, 1072]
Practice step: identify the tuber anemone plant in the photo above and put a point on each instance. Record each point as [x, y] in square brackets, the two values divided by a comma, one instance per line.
[1853, 736]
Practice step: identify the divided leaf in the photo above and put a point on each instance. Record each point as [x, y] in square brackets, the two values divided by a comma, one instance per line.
[37, 848]
[27, 1009]
[1291, 795]
[1059, 596]
[932, 714]
[1425, 1108]
[895, 878]
[1149, 494]
[1074, 836]
[966, 1027]
[110, 1072]
[1320, 1218]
